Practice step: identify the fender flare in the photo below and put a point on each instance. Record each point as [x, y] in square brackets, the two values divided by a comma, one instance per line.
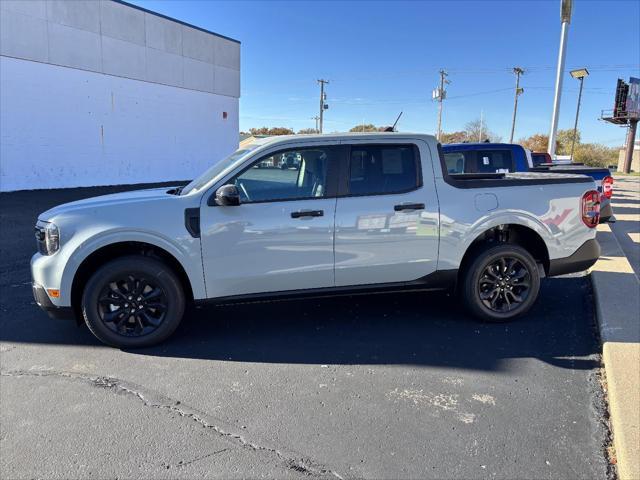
[191, 263]
[522, 219]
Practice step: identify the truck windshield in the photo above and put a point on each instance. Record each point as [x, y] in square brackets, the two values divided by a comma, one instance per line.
[215, 170]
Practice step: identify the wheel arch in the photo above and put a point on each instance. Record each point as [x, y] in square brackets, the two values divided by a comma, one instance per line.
[109, 251]
[511, 233]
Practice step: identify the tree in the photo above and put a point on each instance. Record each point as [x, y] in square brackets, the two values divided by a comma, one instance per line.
[595, 154]
[271, 131]
[368, 127]
[537, 142]
[564, 139]
[306, 131]
[477, 131]
[453, 137]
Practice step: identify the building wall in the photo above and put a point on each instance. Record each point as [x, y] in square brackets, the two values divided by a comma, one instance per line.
[635, 160]
[99, 93]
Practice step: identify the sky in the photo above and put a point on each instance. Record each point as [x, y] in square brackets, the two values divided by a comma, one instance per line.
[383, 57]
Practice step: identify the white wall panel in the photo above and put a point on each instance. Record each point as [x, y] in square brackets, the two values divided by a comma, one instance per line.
[122, 22]
[64, 48]
[63, 127]
[227, 81]
[109, 37]
[163, 34]
[82, 14]
[34, 8]
[227, 53]
[23, 36]
[164, 67]
[198, 75]
[124, 59]
[197, 44]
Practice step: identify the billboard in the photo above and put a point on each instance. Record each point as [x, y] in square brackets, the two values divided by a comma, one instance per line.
[633, 98]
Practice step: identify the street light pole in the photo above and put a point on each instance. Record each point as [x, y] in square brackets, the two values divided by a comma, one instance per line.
[565, 17]
[580, 75]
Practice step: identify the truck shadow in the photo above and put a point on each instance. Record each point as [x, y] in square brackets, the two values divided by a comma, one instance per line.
[403, 329]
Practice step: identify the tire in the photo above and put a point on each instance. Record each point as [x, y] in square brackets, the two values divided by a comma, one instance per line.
[492, 294]
[122, 312]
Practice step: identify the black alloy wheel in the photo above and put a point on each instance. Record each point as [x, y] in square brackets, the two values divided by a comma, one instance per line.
[504, 284]
[132, 305]
[133, 301]
[501, 282]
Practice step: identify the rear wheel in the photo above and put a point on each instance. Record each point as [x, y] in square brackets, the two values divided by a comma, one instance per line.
[501, 283]
[133, 301]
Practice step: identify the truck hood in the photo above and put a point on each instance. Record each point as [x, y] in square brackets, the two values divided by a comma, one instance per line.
[111, 200]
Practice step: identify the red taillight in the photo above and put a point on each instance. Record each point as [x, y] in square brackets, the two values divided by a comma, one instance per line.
[607, 187]
[591, 208]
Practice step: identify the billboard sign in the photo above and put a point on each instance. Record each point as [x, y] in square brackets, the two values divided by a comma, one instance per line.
[633, 98]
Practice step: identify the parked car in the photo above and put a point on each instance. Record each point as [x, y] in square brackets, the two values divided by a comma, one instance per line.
[364, 213]
[507, 157]
[540, 159]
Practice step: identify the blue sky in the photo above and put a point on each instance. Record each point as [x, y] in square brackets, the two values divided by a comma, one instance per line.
[383, 57]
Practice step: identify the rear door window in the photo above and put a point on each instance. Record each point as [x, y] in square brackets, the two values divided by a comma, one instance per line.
[455, 162]
[494, 161]
[383, 169]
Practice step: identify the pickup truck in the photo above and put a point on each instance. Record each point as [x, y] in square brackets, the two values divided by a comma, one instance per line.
[507, 157]
[359, 213]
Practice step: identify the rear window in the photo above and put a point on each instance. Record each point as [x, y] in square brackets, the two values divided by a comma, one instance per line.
[383, 169]
[455, 162]
[494, 161]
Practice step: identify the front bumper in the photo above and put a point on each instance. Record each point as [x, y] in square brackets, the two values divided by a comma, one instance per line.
[583, 258]
[45, 303]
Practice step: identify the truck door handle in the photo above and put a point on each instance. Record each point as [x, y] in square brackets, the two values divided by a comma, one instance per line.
[307, 213]
[409, 206]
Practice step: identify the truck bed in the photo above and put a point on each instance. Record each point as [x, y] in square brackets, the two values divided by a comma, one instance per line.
[485, 180]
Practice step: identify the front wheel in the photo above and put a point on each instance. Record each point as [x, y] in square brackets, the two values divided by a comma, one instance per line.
[133, 301]
[501, 283]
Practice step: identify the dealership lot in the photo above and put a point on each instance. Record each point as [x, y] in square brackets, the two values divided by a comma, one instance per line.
[367, 386]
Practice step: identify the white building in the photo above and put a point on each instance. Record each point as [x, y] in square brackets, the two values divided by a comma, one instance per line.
[101, 92]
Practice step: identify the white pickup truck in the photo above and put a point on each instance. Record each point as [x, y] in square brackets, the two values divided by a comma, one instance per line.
[357, 213]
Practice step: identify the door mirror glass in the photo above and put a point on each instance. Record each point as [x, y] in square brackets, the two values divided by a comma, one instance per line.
[227, 196]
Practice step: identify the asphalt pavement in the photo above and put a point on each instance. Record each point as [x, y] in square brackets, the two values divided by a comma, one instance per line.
[386, 386]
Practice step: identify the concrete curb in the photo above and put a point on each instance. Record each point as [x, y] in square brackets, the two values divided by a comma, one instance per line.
[617, 297]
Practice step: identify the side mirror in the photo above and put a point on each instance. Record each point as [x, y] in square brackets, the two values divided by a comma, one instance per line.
[227, 196]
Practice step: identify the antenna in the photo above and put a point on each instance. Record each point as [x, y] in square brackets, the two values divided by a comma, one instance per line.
[393, 129]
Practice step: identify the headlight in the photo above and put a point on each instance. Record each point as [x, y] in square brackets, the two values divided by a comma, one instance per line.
[47, 237]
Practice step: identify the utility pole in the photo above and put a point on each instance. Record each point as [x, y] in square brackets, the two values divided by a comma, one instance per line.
[481, 125]
[316, 118]
[518, 71]
[565, 18]
[323, 105]
[440, 94]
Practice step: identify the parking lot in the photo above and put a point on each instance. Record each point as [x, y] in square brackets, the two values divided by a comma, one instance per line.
[396, 385]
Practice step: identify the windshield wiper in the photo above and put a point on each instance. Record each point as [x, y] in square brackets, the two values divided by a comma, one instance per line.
[175, 191]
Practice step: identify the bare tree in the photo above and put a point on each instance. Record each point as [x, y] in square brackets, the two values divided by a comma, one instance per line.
[477, 131]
